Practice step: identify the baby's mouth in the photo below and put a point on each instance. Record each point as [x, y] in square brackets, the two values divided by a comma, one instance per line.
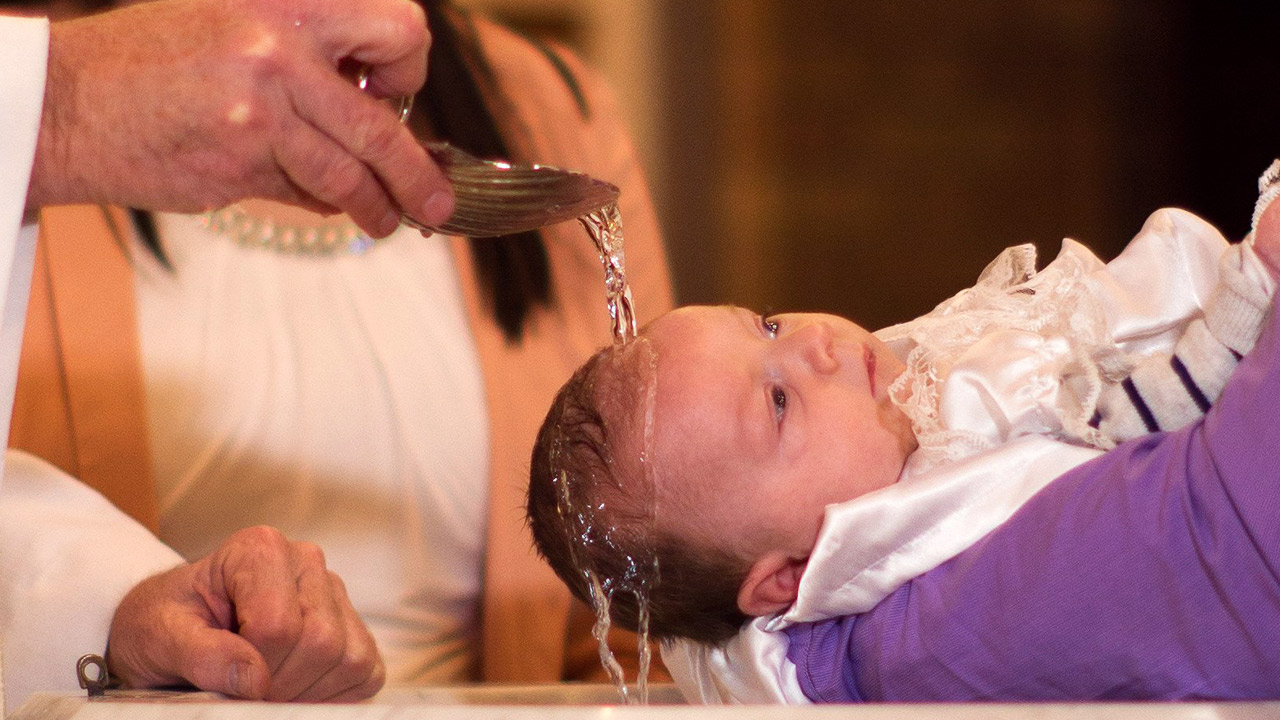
[869, 359]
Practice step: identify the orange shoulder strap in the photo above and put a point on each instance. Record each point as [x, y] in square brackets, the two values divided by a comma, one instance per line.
[80, 401]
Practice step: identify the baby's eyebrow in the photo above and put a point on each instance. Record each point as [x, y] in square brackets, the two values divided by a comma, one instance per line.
[746, 317]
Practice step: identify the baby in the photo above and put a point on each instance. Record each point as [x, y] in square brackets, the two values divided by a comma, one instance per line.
[739, 453]
[758, 424]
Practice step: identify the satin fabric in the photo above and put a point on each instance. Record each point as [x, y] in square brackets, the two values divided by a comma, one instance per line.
[1000, 380]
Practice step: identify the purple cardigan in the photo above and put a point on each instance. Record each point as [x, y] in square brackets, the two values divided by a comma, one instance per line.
[1152, 572]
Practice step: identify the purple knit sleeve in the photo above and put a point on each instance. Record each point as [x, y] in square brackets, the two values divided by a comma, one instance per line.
[1148, 573]
[817, 650]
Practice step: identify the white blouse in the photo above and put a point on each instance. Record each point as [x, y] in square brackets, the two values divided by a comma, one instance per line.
[339, 399]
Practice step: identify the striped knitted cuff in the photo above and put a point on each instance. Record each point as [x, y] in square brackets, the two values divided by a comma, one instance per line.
[1167, 391]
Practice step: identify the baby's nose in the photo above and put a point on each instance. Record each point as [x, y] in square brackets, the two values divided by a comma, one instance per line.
[817, 347]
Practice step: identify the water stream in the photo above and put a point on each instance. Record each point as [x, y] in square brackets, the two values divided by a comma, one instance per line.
[636, 582]
[605, 228]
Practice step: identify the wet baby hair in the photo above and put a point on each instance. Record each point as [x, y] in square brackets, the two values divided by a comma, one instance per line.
[591, 510]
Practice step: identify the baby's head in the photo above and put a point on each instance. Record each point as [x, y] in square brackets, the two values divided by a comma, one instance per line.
[713, 445]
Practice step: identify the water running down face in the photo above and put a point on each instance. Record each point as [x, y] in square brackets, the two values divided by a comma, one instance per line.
[759, 424]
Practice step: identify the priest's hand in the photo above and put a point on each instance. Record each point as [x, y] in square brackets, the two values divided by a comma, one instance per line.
[188, 105]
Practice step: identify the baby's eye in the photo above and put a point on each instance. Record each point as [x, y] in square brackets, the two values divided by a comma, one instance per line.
[779, 401]
[770, 323]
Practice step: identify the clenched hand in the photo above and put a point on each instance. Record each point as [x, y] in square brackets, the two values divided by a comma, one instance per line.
[260, 618]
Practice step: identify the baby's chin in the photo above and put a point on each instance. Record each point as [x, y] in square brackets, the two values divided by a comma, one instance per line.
[896, 422]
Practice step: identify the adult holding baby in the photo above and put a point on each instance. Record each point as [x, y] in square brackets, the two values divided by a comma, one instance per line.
[377, 399]
[186, 104]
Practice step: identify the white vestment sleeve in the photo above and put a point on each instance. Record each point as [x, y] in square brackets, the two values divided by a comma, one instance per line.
[24, 50]
[67, 556]
[24, 53]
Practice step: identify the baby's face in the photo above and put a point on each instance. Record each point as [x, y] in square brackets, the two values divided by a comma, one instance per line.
[760, 423]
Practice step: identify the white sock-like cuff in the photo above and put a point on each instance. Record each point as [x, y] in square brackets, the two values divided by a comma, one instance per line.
[1240, 302]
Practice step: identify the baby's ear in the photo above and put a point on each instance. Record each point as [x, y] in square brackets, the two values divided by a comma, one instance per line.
[771, 585]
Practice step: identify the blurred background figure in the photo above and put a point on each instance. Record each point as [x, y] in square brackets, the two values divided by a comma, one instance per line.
[266, 365]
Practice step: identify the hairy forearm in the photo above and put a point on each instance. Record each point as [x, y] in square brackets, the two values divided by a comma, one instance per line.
[54, 176]
[186, 105]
